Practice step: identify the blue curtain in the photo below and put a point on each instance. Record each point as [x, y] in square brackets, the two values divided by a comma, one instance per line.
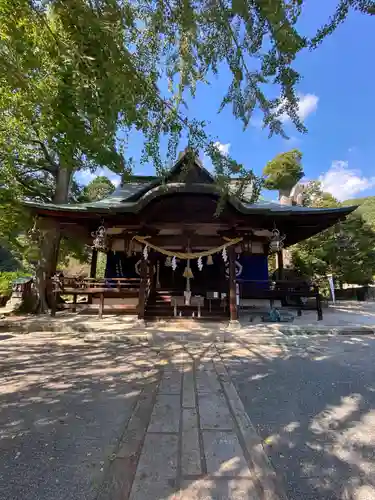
[254, 267]
[119, 265]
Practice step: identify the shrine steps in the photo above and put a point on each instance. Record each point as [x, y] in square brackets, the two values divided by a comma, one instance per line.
[160, 306]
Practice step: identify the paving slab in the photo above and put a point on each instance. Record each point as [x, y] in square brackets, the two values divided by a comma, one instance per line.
[171, 382]
[189, 399]
[214, 412]
[207, 382]
[198, 443]
[191, 453]
[224, 456]
[218, 489]
[166, 414]
[157, 468]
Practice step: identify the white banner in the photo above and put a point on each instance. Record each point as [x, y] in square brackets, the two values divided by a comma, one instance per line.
[331, 286]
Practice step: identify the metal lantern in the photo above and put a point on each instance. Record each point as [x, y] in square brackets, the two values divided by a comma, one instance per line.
[276, 241]
[100, 242]
[35, 232]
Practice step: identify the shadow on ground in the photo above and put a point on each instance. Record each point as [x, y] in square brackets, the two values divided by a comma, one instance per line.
[313, 403]
[63, 407]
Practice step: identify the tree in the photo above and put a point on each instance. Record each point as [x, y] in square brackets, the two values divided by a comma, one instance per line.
[314, 196]
[97, 189]
[78, 76]
[366, 208]
[284, 171]
[347, 250]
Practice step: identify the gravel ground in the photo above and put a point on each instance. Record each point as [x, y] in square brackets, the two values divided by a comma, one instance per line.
[63, 407]
[312, 400]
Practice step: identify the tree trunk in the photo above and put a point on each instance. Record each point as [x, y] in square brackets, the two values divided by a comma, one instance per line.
[50, 243]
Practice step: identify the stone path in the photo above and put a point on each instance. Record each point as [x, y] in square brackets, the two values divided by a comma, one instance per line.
[189, 436]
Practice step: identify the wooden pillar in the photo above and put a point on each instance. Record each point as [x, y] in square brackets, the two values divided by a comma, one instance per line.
[93, 266]
[232, 284]
[280, 265]
[318, 303]
[101, 305]
[94, 262]
[54, 302]
[142, 290]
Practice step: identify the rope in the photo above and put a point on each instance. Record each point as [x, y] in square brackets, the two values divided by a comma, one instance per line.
[186, 255]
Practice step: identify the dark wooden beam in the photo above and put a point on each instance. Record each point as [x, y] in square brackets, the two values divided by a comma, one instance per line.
[232, 285]
[142, 290]
[196, 241]
[280, 265]
[94, 261]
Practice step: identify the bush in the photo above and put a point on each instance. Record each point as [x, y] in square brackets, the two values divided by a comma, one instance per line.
[6, 280]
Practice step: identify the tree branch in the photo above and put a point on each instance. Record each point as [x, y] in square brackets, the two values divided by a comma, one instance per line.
[31, 191]
[52, 168]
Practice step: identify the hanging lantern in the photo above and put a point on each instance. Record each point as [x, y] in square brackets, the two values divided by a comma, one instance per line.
[224, 254]
[200, 263]
[100, 239]
[34, 232]
[276, 241]
[174, 264]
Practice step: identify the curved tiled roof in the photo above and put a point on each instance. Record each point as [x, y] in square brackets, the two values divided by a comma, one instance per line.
[133, 197]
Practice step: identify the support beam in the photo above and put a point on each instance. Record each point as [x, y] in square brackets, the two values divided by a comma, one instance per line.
[280, 265]
[142, 290]
[94, 262]
[232, 285]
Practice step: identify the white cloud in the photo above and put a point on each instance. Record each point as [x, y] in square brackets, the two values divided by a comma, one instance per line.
[343, 182]
[84, 177]
[307, 104]
[223, 148]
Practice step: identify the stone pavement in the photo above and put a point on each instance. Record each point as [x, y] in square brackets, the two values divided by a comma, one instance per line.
[105, 420]
[189, 436]
[64, 404]
[312, 400]
[343, 318]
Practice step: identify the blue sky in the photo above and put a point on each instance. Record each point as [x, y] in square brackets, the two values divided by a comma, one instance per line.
[336, 104]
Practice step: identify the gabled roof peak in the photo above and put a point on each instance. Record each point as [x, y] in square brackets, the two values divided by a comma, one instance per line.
[189, 168]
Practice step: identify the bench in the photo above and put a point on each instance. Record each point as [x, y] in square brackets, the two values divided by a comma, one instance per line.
[281, 290]
[93, 288]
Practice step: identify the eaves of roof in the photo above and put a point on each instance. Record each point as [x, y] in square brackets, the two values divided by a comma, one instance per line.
[133, 197]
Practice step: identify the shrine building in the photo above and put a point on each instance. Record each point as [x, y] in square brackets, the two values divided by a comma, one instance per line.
[171, 252]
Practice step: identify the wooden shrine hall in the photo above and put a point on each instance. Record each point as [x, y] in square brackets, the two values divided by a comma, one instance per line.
[171, 253]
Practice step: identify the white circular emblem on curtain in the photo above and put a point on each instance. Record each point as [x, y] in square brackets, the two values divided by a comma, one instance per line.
[137, 267]
[238, 269]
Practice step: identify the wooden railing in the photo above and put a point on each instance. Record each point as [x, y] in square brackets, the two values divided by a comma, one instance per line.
[69, 285]
[102, 288]
[281, 290]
